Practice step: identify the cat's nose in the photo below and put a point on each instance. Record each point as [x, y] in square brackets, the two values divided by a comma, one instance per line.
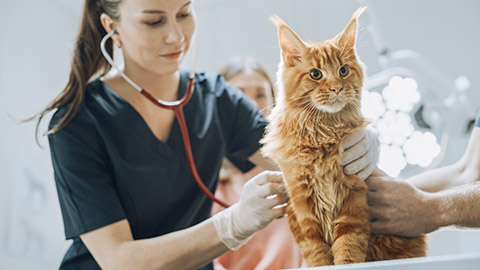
[336, 89]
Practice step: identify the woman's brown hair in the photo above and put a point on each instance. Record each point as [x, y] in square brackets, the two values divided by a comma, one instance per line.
[87, 61]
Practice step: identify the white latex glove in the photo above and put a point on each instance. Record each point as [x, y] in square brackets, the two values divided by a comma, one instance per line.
[362, 152]
[258, 206]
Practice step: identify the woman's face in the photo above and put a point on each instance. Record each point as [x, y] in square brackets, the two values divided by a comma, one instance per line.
[256, 87]
[155, 35]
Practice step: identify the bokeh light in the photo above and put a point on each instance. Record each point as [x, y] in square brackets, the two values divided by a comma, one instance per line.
[392, 160]
[373, 106]
[401, 94]
[421, 148]
[389, 112]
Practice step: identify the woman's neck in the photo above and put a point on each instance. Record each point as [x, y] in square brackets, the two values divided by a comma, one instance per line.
[163, 86]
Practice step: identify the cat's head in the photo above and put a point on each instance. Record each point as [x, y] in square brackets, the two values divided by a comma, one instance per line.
[327, 75]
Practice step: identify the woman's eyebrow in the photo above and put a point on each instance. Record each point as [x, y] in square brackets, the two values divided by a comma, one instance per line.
[155, 11]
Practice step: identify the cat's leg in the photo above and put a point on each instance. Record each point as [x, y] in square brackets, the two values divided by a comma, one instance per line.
[293, 225]
[387, 247]
[352, 229]
[307, 231]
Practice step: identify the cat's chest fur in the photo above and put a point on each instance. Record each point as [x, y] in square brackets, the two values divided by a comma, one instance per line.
[328, 186]
[309, 153]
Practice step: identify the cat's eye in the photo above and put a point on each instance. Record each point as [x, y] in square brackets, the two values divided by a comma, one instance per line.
[316, 74]
[343, 71]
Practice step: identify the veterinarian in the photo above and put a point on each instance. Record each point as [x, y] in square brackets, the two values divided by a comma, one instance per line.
[126, 191]
[437, 198]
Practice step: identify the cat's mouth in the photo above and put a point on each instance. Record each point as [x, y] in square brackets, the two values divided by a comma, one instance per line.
[333, 107]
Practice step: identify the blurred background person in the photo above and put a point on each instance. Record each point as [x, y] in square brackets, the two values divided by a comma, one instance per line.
[274, 246]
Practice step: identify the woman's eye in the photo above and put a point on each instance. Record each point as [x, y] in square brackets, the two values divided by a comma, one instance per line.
[260, 95]
[153, 23]
[224, 180]
[343, 71]
[184, 15]
[315, 74]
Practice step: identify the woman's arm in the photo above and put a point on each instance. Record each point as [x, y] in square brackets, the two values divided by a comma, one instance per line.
[113, 247]
[465, 171]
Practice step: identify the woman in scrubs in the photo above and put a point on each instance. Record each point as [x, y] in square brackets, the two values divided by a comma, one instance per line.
[127, 195]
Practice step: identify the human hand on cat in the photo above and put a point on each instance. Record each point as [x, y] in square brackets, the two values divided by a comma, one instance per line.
[362, 152]
[262, 200]
[397, 207]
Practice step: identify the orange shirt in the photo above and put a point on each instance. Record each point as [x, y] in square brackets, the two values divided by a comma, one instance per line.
[270, 248]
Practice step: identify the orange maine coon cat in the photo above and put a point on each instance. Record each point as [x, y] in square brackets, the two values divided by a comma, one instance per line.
[317, 107]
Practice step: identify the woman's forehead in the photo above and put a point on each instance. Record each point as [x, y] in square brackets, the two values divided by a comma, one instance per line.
[153, 6]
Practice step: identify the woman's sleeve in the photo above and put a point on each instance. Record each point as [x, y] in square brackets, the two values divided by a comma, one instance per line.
[477, 123]
[245, 125]
[85, 183]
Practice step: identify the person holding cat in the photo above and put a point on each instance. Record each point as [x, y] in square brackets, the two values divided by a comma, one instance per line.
[127, 196]
[437, 198]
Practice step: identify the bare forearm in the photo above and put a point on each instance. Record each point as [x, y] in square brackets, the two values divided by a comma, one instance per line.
[465, 171]
[187, 249]
[438, 179]
[458, 206]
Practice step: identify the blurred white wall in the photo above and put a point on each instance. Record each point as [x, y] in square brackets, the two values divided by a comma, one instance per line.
[36, 41]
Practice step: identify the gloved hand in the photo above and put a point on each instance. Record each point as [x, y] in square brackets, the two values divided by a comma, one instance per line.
[260, 203]
[362, 152]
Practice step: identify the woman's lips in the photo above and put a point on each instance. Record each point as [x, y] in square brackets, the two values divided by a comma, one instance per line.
[172, 56]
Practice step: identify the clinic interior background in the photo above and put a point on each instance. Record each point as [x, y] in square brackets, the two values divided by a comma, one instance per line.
[432, 55]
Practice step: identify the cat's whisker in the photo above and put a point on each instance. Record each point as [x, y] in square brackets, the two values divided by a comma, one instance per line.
[356, 105]
[292, 102]
[267, 107]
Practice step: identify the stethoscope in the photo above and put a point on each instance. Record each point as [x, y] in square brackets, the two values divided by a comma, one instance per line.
[176, 107]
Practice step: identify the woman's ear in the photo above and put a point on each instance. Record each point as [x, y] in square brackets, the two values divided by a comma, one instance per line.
[109, 25]
[107, 22]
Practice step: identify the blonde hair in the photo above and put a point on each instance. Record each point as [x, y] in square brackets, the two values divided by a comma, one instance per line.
[238, 64]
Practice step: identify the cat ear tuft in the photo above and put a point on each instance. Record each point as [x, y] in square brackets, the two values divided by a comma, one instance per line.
[291, 45]
[346, 39]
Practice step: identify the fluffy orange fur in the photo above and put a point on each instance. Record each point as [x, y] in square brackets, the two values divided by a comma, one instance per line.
[317, 108]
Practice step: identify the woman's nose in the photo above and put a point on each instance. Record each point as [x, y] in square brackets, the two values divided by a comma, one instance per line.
[174, 34]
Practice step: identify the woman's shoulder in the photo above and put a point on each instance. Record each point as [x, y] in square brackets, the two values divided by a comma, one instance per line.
[83, 117]
[214, 83]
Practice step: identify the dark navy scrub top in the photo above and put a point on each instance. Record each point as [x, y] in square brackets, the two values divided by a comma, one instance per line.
[109, 166]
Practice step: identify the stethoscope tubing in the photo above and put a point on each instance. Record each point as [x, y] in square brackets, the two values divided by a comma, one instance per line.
[176, 107]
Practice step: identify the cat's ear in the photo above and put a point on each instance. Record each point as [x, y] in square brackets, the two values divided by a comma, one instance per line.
[291, 45]
[346, 39]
